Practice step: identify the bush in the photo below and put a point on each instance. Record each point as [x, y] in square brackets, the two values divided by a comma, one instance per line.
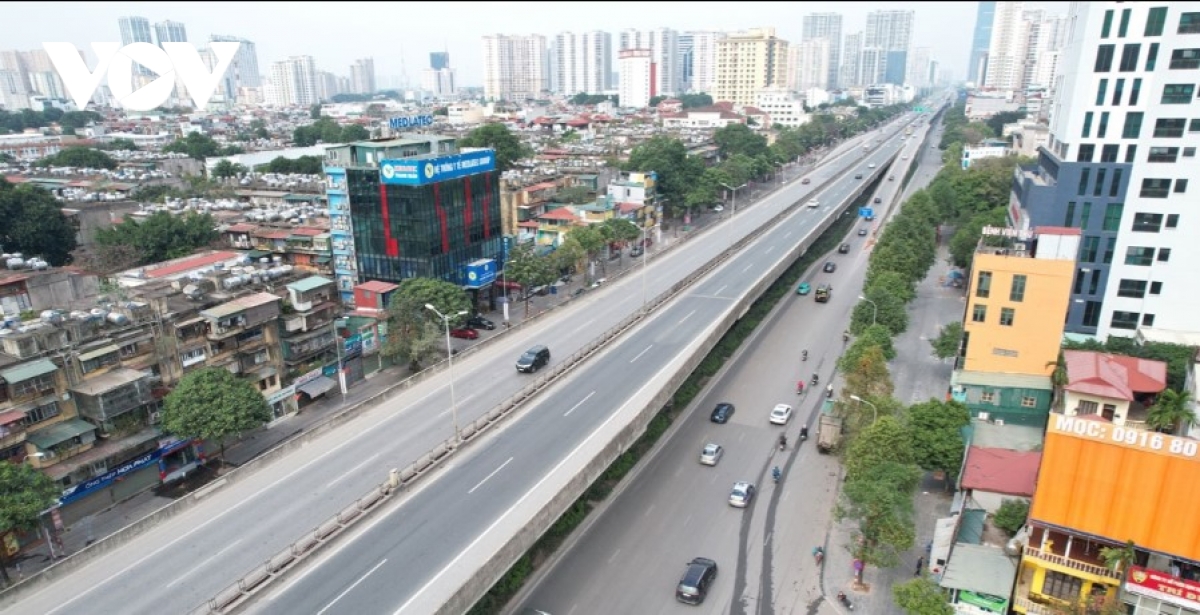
[1011, 515]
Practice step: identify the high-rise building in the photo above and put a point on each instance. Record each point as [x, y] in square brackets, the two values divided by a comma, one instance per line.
[664, 44]
[136, 30]
[872, 66]
[1047, 37]
[1119, 164]
[748, 62]
[439, 60]
[1006, 54]
[849, 73]
[580, 63]
[981, 42]
[698, 56]
[636, 71]
[28, 73]
[439, 82]
[362, 76]
[918, 68]
[328, 85]
[243, 71]
[808, 65]
[294, 82]
[169, 32]
[829, 27]
[514, 67]
[890, 31]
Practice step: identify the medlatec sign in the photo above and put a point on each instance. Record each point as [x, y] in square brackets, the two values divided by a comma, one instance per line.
[416, 121]
[433, 170]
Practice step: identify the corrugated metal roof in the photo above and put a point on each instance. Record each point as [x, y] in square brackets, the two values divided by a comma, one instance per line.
[309, 283]
[58, 433]
[980, 569]
[25, 371]
[1013, 381]
[240, 304]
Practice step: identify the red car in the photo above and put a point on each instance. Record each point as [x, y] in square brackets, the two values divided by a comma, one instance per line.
[465, 333]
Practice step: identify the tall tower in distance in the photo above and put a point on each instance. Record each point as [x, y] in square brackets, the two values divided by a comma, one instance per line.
[439, 60]
[170, 32]
[982, 42]
[362, 76]
[136, 30]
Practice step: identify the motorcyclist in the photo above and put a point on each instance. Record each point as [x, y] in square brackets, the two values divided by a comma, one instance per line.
[845, 336]
[782, 441]
[829, 390]
[800, 387]
[776, 473]
[815, 379]
[803, 355]
[804, 432]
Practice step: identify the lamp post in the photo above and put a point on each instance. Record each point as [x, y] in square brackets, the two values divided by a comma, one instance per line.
[450, 365]
[645, 230]
[779, 173]
[874, 308]
[337, 348]
[875, 410]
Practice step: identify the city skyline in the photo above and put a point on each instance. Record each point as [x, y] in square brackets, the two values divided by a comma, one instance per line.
[939, 27]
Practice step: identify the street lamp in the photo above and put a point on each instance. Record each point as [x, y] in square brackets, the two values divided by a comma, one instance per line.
[450, 365]
[779, 173]
[874, 308]
[875, 410]
[645, 230]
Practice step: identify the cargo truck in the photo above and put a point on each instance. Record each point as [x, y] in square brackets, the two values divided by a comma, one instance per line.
[829, 428]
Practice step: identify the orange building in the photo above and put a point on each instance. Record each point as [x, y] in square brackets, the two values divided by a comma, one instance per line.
[1103, 485]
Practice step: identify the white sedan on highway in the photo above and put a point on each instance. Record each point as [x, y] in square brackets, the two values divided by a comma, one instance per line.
[781, 414]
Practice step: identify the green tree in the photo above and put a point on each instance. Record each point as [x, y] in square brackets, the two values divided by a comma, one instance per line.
[868, 377]
[161, 236]
[936, 431]
[213, 404]
[739, 139]
[307, 165]
[921, 596]
[621, 231]
[884, 441]
[1171, 411]
[880, 307]
[966, 239]
[693, 101]
[875, 336]
[570, 255]
[508, 147]
[34, 224]
[998, 121]
[27, 492]
[79, 157]
[948, 341]
[575, 195]
[880, 499]
[121, 145]
[527, 268]
[676, 171]
[415, 333]
[227, 168]
[195, 145]
[1011, 515]
[314, 111]
[354, 132]
[592, 238]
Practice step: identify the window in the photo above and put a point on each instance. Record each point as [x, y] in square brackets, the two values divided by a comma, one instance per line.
[1078, 287]
[1156, 288]
[1016, 294]
[1189, 23]
[1115, 188]
[1104, 58]
[1164, 255]
[1147, 320]
[1133, 289]
[1091, 313]
[1109, 249]
[1134, 92]
[1084, 177]
[1087, 125]
[1086, 152]
[1147, 223]
[1181, 59]
[1189, 152]
[987, 397]
[1085, 214]
[1194, 125]
[1178, 93]
[1133, 125]
[1170, 127]
[1106, 29]
[1156, 21]
[129, 350]
[1109, 153]
[1129, 57]
[1124, 320]
[1112, 216]
[32, 386]
[1094, 284]
[1118, 91]
[1163, 154]
[983, 287]
[1123, 29]
[1070, 219]
[1100, 91]
[1102, 129]
[1028, 401]
[1098, 189]
[1131, 153]
[41, 413]
[1180, 186]
[1006, 317]
[979, 313]
[1141, 257]
[1088, 249]
[1087, 407]
[1152, 57]
[1172, 220]
[1155, 188]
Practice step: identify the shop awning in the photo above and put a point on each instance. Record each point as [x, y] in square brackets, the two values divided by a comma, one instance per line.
[48, 438]
[32, 369]
[99, 352]
[316, 387]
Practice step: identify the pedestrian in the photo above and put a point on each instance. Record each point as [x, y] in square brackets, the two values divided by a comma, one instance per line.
[920, 564]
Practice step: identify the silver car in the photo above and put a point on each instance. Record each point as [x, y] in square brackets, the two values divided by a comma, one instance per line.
[711, 454]
[741, 495]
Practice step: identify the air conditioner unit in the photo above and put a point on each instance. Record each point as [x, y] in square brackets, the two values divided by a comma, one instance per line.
[998, 422]
[983, 416]
[155, 418]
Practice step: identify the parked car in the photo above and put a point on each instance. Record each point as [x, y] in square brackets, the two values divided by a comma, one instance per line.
[636, 251]
[711, 454]
[479, 322]
[698, 577]
[804, 288]
[465, 333]
[722, 412]
[781, 414]
[829, 267]
[891, 177]
[718, 208]
[742, 494]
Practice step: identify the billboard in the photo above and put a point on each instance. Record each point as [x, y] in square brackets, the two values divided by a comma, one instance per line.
[480, 273]
[422, 171]
[1121, 483]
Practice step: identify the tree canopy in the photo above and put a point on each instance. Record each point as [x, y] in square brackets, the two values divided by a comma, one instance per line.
[79, 157]
[27, 492]
[199, 146]
[307, 165]
[228, 168]
[921, 596]
[213, 404]
[161, 236]
[69, 121]
[529, 269]
[326, 130]
[415, 333]
[936, 430]
[34, 224]
[584, 98]
[508, 146]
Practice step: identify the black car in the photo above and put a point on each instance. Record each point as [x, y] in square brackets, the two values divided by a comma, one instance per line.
[479, 322]
[830, 267]
[844, 248]
[722, 412]
[878, 200]
[858, 176]
[534, 359]
[862, 232]
[697, 579]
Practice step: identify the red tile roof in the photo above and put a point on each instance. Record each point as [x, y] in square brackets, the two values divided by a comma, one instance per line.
[528, 224]
[628, 207]
[241, 228]
[999, 470]
[1113, 376]
[536, 187]
[752, 111]
[190, 263]
[377, 286]
[578, 122]
[561, 213]
[307, 232]
[272, 234]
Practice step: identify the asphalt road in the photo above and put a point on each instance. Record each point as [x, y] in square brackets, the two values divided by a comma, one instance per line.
[187, 559]
[630, 557]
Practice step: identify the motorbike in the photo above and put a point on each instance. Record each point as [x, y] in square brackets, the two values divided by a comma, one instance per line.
[804, 355]
[829, 391]
[818, 555]
[815, 379]
[776, 473]
[845, 601]
[803, 433]
[782, 442]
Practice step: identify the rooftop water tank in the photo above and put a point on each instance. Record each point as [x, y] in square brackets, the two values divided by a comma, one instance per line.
[118, 318]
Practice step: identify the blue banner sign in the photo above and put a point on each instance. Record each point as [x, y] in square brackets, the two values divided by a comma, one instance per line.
[415, 121]
[866, 212]
[76, 491]
[424, 171]
[480, 273]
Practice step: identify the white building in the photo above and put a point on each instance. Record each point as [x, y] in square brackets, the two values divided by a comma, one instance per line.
[1006, 54]
[1122, 154]
[581, 63]
[748, 62]
[460, 113]
[293, 82]
[439, 82]
[362, 76]
[702, 61]
[514, 67]
[783, 107]
[243, 71]
[705, 117]
[872, 65]
[990, 148]
[1047, 35]
[636, 74]
[663, 44]
[826, 26]
[808, 65]
[848, 72]
[919, 73]
[891, 32]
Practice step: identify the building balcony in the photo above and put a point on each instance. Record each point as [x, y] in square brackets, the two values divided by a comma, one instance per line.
[1068, 551]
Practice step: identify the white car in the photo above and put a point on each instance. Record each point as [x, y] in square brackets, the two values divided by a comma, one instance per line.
[741, 495]
[711, 454]
[781, 414]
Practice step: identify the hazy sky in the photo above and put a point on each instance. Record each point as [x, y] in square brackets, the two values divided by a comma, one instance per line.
[400, 35]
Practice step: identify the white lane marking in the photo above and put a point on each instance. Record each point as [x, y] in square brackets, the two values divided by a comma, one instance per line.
[767, 538]
[747, 267]
[681, 320]
[649, 509]
[352, 471]
[769, 248]
[642, 353]
[489, 476]
[614, 556]
[351, 588]
[589, 396]
[457, 402]
[789, 234]
[204, 563]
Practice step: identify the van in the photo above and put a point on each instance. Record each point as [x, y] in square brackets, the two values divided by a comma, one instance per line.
[813, 204]
[697, 579]
[534, 359]
[823, 293]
